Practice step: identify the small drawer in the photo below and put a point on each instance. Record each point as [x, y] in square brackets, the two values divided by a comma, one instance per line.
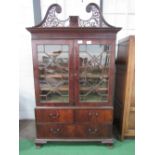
[55, 131]
[54, 115]
[96, 116]
[94, 131]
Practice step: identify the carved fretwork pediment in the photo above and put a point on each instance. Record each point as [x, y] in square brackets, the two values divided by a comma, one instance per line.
[96, 20]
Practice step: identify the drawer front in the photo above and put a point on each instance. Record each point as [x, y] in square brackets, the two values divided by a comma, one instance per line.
[95, 116]
[74, 131]
[54, 115]
[55, 131]
[94, 131]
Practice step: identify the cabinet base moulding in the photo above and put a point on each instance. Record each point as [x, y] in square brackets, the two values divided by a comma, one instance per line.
[109, 141]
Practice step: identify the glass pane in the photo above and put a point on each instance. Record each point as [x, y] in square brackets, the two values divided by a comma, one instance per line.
[93, 68]
[53, 73]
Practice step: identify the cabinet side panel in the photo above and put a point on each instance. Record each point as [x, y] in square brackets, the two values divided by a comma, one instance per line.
[35, 71]
[120, 85]
[119, 96]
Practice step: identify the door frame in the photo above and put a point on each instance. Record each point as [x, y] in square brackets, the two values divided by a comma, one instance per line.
[111, 71]
[36, 71]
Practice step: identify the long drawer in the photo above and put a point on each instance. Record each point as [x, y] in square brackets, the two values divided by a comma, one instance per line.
[54, 115]
[73, 116]
[74, 131]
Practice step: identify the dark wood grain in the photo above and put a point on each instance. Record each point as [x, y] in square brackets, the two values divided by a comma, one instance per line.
[57, 115]
[94, 116]
[74, 120]
[125, 88]
[74, 131]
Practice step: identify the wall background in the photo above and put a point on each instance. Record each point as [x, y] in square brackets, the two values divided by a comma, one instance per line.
[119, 13]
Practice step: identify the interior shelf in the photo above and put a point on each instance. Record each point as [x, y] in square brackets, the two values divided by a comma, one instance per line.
[48, 88]
[89, 75]
[65, 88]
[63, 67]
[55, 76]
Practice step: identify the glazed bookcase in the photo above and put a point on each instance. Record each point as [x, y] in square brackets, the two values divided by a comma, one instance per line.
[73, 63]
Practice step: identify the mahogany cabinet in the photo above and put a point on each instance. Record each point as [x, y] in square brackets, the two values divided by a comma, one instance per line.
[125, 88]
[74, 61]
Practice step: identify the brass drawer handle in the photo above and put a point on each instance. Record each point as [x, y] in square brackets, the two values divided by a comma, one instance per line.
[92, 131]
[93, 114]
[96, 114]
[90, 113]
[54, 115]
[56, 130]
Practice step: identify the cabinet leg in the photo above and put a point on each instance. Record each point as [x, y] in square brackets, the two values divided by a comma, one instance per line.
[40, 142]
[38, 145]
[108, 143]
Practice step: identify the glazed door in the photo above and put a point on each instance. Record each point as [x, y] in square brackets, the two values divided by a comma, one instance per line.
[94, 72]
[53, 68]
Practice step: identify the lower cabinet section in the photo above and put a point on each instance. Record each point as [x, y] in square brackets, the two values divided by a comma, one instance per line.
[70, 124]
[74, 131]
